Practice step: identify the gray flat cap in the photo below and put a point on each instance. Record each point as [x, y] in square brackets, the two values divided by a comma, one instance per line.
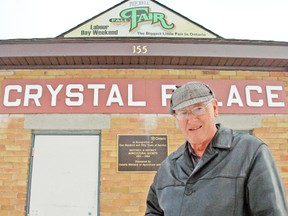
[189, 94]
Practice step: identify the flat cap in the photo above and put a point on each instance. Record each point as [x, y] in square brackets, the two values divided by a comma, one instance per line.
[189, 94]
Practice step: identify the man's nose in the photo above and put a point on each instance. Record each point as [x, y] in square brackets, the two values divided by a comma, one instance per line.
[191, 116]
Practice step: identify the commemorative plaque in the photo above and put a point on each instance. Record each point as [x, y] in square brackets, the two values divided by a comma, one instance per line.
[141, 152]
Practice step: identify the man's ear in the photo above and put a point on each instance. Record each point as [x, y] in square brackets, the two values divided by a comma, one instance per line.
[215, 108]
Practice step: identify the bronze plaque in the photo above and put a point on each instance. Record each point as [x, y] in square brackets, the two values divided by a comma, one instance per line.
[141, 152]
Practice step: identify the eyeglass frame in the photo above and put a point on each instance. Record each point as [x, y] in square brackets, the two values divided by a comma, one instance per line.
[192, 110]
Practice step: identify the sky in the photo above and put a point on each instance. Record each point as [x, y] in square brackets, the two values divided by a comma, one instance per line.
[231, 19]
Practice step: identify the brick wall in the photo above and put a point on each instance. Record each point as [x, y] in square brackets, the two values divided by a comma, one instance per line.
[120, 193]
[274, 132]
[15, 145]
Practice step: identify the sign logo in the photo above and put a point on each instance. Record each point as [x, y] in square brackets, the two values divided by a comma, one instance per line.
[139, 15]
[140, 18]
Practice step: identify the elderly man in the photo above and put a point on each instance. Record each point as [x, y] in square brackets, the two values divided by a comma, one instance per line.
[216, 171]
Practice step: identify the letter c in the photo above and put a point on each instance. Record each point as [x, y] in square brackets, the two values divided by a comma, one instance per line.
[7, 91]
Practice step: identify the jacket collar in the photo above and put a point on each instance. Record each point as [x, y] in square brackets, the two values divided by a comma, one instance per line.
[223, 137]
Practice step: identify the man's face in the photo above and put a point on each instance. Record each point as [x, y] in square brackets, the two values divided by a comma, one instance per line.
[198, 128]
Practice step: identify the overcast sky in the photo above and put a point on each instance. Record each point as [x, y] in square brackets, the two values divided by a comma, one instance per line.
[231, 19]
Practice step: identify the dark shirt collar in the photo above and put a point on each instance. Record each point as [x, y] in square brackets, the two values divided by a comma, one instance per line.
[194, 157]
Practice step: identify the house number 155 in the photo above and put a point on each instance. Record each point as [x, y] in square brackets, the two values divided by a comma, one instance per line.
[139, 49]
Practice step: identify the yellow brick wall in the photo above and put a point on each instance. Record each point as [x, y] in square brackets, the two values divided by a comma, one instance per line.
[274, 132]
[120, 193]
[15, 145]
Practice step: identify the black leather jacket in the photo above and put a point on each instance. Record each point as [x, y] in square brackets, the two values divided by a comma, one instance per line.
[235, 176]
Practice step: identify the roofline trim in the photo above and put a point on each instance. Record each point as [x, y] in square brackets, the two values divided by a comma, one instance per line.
[183, 67]
[100, 48]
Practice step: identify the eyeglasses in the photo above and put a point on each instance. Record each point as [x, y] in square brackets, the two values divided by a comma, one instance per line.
[197, 111]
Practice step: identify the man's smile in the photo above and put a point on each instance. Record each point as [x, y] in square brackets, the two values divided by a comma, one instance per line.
[195, 128]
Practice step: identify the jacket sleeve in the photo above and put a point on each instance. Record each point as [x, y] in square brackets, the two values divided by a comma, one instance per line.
[152, 204]
[265, 192]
